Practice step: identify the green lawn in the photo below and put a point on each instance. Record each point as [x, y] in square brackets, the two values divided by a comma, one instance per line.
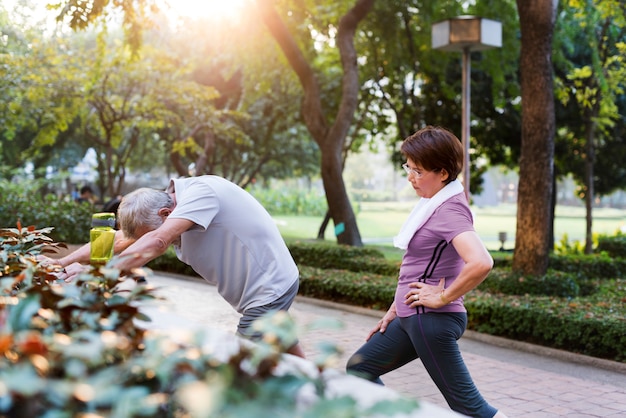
[379, 222]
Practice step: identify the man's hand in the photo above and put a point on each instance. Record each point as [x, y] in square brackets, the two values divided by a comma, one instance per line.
[67, 273]
[70, 272]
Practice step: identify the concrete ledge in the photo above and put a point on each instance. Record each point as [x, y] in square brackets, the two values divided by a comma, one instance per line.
[540, 350]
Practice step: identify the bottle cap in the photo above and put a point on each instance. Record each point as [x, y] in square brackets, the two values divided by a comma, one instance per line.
[103, 219]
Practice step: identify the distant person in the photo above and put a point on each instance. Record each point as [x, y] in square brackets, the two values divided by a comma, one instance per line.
[217, 228]
[444, 259]
[86, 195]
[112, 206]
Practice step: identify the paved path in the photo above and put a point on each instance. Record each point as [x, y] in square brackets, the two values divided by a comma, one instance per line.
[520, 379]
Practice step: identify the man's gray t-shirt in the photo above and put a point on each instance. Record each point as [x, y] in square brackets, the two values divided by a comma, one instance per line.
[234, 244]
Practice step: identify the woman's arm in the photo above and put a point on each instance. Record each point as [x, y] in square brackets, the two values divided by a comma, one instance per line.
[382, 324]
[478, 264]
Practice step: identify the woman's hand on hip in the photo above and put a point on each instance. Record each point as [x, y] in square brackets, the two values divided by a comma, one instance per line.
[422, 294]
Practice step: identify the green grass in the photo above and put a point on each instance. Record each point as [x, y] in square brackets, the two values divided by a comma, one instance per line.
[379, 222]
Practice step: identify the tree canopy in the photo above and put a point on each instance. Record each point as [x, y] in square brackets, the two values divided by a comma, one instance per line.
[288, 88]
[591, 84]
[135, 107]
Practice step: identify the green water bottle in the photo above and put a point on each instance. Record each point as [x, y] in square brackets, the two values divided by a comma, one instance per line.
[102, 238]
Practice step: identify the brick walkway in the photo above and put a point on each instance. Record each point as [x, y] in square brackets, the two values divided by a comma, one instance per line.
[520, 379]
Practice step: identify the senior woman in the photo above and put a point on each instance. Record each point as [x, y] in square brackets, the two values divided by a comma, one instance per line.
[444, 259]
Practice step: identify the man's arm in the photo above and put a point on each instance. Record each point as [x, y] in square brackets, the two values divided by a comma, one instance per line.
[76, 262]
[152, 244]
[82, 254]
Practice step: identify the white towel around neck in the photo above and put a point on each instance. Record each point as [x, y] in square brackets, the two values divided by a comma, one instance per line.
[423, 211]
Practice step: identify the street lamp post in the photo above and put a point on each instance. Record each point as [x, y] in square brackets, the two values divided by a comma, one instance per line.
[465, 34]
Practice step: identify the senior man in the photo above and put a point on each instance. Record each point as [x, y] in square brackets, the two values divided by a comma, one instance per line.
[217, 228]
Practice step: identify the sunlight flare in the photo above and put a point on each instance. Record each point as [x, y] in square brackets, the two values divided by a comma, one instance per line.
[214, 9]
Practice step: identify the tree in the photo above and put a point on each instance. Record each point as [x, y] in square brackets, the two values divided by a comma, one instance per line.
[154, 101]
[130, 99]
[81, 14]
[261, 134]
[412, 85]
[593, 80]
[39, 97]
[532, 240]
[330, 136]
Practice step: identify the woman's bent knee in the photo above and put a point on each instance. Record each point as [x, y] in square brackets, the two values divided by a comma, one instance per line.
[357, 367]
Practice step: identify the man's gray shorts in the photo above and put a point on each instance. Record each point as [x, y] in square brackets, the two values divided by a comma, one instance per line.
[283, 303]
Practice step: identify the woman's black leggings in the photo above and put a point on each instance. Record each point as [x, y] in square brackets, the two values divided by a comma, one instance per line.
[431, 337]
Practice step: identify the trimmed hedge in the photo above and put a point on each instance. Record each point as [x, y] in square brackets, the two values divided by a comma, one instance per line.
[170, 263]
[332, 256]
[598, 265]
[352, 288]
[564, 309]
[591, 265]
[549, 322]
[554, 283]
[613, 246]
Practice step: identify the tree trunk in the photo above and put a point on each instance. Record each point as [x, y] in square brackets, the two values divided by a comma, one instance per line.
[589, 189]
[208, 150]
[329, 137]
[537, 18]
[180, 168]
[322, 231]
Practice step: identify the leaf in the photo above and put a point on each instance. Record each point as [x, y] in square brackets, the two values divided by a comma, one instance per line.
[23, 379]
[393, 407]
[21, 315]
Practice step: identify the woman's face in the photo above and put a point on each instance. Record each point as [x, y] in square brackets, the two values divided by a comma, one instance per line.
[425, 183]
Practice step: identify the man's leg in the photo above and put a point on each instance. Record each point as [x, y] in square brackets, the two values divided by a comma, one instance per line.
[281, 304]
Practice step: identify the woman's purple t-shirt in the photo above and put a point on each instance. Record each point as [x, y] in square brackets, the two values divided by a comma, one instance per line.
[430, 255]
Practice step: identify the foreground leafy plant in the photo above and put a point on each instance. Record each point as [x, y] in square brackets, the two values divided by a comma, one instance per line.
[76, 349]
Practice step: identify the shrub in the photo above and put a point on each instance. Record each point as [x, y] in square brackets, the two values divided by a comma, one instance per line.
[566, 247]
[592, 265]
[358, 289]
[333, 256]
[27, 202]
[291, 201]
[598, 265]
[170, 263]
[369, 195]
[576, 326]
[502, 260]
[614, 246]
[554, 283]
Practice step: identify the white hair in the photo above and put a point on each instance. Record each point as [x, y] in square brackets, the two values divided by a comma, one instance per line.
[140, 210]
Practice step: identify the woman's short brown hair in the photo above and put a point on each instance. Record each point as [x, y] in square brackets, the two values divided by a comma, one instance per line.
[434, 148]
